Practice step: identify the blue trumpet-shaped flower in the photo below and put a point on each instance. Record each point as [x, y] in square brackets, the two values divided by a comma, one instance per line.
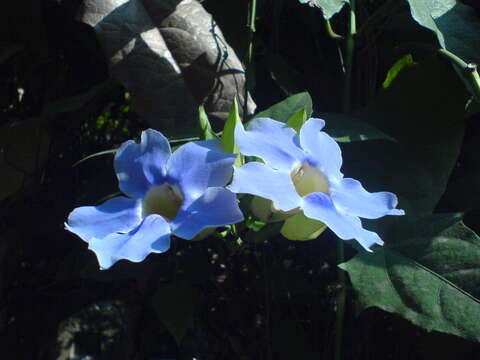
[301, 173]
[181, 194]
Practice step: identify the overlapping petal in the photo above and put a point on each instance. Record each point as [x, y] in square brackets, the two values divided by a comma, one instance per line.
[274, 142]
[216, 207]
[198, 165]
[152, 236]
[259, 179]
[119, 214]
[138, 166]
[319, 206]
[321, 148]
[350, 195]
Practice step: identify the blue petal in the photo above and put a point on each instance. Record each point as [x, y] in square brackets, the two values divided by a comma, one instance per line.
[216, 207]
[119, 214]
[272, 141]
[350, 195]
[152, 236]
[258, 179]
[320, 207]
[197, 166]
[138, 166]
[321, 148]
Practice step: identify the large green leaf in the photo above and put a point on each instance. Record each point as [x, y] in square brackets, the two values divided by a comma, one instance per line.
[460, 27]
[423, 111]
[329, 7]
[456, 25]
[428, 272]
[287, 108]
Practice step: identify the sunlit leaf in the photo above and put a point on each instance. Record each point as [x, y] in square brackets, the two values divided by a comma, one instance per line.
[285, 109]
[400, 64]
[228, 134]
[206, 131]
[298, 119]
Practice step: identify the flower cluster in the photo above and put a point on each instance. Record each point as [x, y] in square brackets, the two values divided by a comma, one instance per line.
[191, 190]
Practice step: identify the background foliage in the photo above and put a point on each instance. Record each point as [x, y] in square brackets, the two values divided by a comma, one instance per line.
[411, 127]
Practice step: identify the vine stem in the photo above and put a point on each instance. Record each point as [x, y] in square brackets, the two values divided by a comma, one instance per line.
[350, 45]
[342, 291]
[252, 14]
[469, 71]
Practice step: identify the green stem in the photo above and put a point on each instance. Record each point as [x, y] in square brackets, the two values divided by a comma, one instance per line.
[331, 32]
[350, 45]
[252, 14]
[342, 292]
[469, 70]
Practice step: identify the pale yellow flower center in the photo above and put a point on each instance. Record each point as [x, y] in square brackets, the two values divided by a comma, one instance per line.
[164, 200]
[308, 179]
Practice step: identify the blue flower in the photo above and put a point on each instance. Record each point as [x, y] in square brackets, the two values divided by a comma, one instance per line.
[301, 173]
[181, 194]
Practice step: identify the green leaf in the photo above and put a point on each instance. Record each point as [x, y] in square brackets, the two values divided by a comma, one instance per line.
[228, 134]
[455, 25]
[206, 132]
[287, 108]
[400, 64]
[423, 10]
[345, 128]
[297, 120]
[329, 7]
[460, 27]
[173, 304]
[424, 113]
[429, 273]
[299, 227]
